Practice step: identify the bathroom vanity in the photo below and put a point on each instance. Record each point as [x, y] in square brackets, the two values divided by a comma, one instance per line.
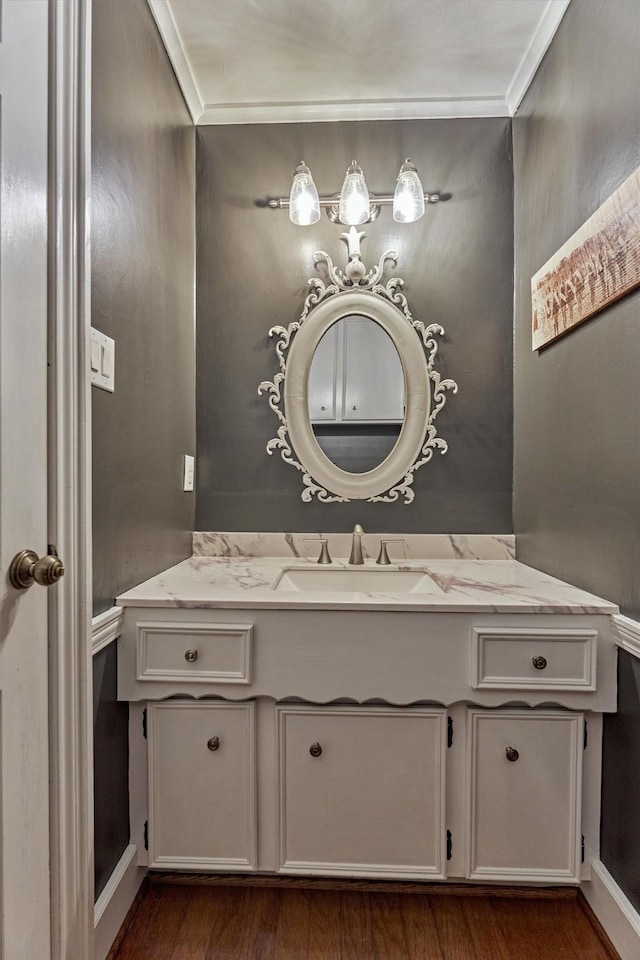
[434, 719]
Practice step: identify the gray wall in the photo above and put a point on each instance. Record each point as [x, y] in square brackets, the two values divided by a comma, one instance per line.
[143, 242]
[577, 441]
[143, 238]
[252, 270]
[110, 767]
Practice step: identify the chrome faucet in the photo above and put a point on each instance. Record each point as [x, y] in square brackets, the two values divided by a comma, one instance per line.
[356, 557]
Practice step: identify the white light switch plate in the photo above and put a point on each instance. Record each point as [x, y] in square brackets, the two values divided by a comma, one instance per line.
[188, 473]
[103, 360]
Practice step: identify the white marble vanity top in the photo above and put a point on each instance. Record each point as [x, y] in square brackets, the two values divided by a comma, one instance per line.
[462, 586]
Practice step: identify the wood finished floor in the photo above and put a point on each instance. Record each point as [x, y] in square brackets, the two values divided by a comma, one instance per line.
[199, 922]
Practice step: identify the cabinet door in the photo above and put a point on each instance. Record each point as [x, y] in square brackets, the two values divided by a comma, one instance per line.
[202, 804]
[322, 377]
[524, 791]
[362, 791]
[373, 386]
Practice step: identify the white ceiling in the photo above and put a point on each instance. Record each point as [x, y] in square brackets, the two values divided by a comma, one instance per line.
[263, 61]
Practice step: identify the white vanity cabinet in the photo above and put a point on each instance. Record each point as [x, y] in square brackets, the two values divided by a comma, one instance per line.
[361, 791]
[368, 743]
[202, 785]
[524, 776]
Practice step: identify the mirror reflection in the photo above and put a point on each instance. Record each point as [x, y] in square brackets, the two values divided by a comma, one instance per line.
[356, 394]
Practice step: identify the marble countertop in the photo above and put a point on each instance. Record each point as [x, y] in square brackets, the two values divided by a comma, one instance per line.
[461, 586]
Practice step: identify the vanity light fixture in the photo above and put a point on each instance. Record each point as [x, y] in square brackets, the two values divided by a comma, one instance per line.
[354, 207]
[304, 205]
[354, 204]
[408, 199]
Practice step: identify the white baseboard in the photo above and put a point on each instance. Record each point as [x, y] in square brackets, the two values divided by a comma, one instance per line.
[113, 903]
[617, 915]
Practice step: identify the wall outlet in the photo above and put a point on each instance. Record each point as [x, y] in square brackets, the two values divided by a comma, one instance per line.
[188, 472]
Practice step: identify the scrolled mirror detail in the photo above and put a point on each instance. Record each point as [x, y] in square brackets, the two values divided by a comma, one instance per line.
[340, 294]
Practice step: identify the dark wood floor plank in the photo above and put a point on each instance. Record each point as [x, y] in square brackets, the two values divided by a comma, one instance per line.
[387, 930]
[355, 925]
[292, 930]
[454, 935]
[235, 934]
[536, 932]
[156, 925]
[420, 930]
[192, 940]
[325, 930]
[212, 922]
[484, 929]
[580, 933]
[260, 922]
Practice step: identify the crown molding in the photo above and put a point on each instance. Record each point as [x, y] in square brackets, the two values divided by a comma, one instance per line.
[177, 55]
[533, 55]
[292, 112]
[229, 113]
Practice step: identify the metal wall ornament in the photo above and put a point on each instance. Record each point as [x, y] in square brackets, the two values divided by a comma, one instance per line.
[356, 291]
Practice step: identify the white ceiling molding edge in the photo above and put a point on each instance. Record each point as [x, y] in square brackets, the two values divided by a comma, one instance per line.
[350, 110]
[213, 113]
[540, 42]
[177, 55]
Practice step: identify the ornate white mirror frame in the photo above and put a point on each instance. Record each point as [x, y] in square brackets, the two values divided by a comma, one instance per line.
[356, 292]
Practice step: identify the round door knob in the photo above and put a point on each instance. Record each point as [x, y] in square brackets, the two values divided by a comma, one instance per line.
[27, 568]
[315, 749]
[539, 662]
[191, 656]
[213, 743]
[512, 754]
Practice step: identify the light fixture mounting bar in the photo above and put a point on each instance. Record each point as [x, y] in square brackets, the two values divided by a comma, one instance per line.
[282, 203]
[332, 204]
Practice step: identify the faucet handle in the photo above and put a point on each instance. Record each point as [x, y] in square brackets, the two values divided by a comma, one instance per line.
[324, 552]
[383, 556]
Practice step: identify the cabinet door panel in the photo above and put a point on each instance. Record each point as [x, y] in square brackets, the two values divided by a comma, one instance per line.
[373, 376]
[323, 374]
[202, 811]
[371, 804]
[524, 785]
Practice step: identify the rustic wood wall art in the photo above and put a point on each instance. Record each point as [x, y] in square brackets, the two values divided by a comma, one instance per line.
[599, 264]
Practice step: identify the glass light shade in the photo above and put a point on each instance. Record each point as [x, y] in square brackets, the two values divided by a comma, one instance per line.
[354, 198]
[304, 206]
[408, 199]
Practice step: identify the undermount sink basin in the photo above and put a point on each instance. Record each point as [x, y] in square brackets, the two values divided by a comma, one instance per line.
[356, 581]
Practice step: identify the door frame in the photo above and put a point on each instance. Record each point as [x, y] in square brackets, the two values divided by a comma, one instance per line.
[70, 676]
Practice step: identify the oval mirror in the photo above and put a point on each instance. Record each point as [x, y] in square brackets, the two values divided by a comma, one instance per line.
[356, 394]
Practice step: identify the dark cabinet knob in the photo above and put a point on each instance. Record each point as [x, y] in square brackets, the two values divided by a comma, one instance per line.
[191, 656]
[213, 743]
[511, 754]
[539, 662]
[315, 749]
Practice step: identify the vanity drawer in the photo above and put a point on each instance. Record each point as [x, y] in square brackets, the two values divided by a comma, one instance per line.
[198, 652]
[533, 659]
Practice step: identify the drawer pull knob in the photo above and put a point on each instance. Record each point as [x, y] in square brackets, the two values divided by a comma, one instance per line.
[512, 754]
[213, 743]
[191, 656]
[315, 749]
[539, 662]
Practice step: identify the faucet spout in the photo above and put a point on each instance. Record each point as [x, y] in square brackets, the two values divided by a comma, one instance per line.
[356, 557]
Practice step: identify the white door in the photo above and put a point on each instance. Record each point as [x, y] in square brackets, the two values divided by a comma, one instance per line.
[24, 749]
